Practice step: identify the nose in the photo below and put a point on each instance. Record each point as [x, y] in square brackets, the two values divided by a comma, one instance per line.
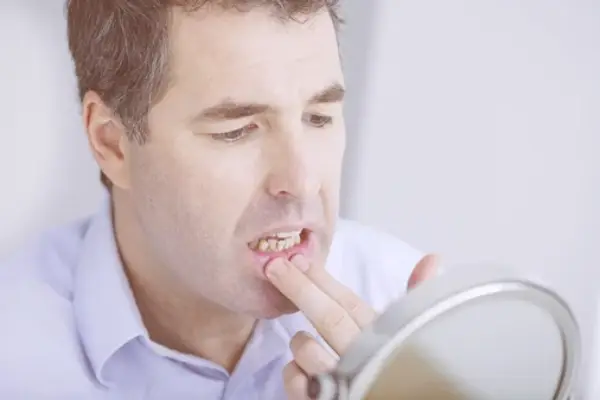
[292, 171]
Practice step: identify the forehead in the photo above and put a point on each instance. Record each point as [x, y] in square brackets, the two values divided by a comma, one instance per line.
[252, 55]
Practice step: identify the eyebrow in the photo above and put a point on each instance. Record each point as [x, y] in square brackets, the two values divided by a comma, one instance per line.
[332, 94]
[230, 109]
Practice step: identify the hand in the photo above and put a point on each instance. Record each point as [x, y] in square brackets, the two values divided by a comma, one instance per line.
[335, 311]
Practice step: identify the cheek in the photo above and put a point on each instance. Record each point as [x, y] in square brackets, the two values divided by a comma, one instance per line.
[210, 184]
[331, 162]
[330, 155]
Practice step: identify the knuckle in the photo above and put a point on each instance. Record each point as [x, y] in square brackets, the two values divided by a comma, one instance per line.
[299, 338]
[353, 304]
[304, 353]
[303, 346]
[335, 321]
[361, 312]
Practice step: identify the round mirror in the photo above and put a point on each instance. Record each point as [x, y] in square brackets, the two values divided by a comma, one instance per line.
[473, 334]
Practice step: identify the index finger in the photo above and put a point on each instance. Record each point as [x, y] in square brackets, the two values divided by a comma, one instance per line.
[330, 319]
[359, 310]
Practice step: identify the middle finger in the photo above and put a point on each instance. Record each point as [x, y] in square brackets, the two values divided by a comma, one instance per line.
[359, 310]
[330, 319]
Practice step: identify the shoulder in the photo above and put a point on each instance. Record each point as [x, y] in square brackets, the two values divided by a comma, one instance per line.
[46, 262]
[374, 263]
[38, 340]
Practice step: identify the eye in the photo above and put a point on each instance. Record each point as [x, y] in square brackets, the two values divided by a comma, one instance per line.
[233, 136]
[318, 121]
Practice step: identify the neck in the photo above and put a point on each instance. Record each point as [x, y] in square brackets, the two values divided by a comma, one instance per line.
[175, 318]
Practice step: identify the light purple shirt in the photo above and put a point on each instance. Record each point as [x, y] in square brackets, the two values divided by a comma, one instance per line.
[70, 328]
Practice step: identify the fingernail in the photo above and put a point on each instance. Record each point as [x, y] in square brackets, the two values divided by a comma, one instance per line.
[275, 268]
[300, 262]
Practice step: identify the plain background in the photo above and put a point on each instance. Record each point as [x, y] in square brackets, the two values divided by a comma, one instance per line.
[473, 131]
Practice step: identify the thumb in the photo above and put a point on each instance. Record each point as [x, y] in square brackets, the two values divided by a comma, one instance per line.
[425, 269]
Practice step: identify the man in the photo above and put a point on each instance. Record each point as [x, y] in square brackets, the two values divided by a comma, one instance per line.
[217, 268]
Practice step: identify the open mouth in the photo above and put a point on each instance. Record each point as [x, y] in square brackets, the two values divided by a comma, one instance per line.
[280, 242]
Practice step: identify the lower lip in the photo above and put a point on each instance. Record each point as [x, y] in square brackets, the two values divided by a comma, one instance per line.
[305, 247]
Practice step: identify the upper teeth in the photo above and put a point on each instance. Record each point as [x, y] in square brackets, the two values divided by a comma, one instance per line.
[280, 241]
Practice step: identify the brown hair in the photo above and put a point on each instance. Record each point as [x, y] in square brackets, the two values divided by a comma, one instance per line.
[120, 48]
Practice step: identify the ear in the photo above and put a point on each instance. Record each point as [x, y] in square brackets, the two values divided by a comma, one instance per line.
[107, 139]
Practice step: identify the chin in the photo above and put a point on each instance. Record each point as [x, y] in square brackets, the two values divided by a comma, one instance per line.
[269, 303]
[278, 310]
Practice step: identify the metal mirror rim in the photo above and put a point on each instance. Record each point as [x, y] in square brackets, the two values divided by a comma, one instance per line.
[425, 303]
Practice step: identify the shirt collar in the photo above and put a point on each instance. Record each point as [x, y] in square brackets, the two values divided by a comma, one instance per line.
[106, 315]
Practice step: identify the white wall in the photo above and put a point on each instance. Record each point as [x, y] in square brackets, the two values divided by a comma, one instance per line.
[480, 134]
[46, 171]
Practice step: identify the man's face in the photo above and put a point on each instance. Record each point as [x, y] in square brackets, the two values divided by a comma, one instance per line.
[244, 159]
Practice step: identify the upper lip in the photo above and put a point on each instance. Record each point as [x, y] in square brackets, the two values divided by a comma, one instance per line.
[285, 228]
